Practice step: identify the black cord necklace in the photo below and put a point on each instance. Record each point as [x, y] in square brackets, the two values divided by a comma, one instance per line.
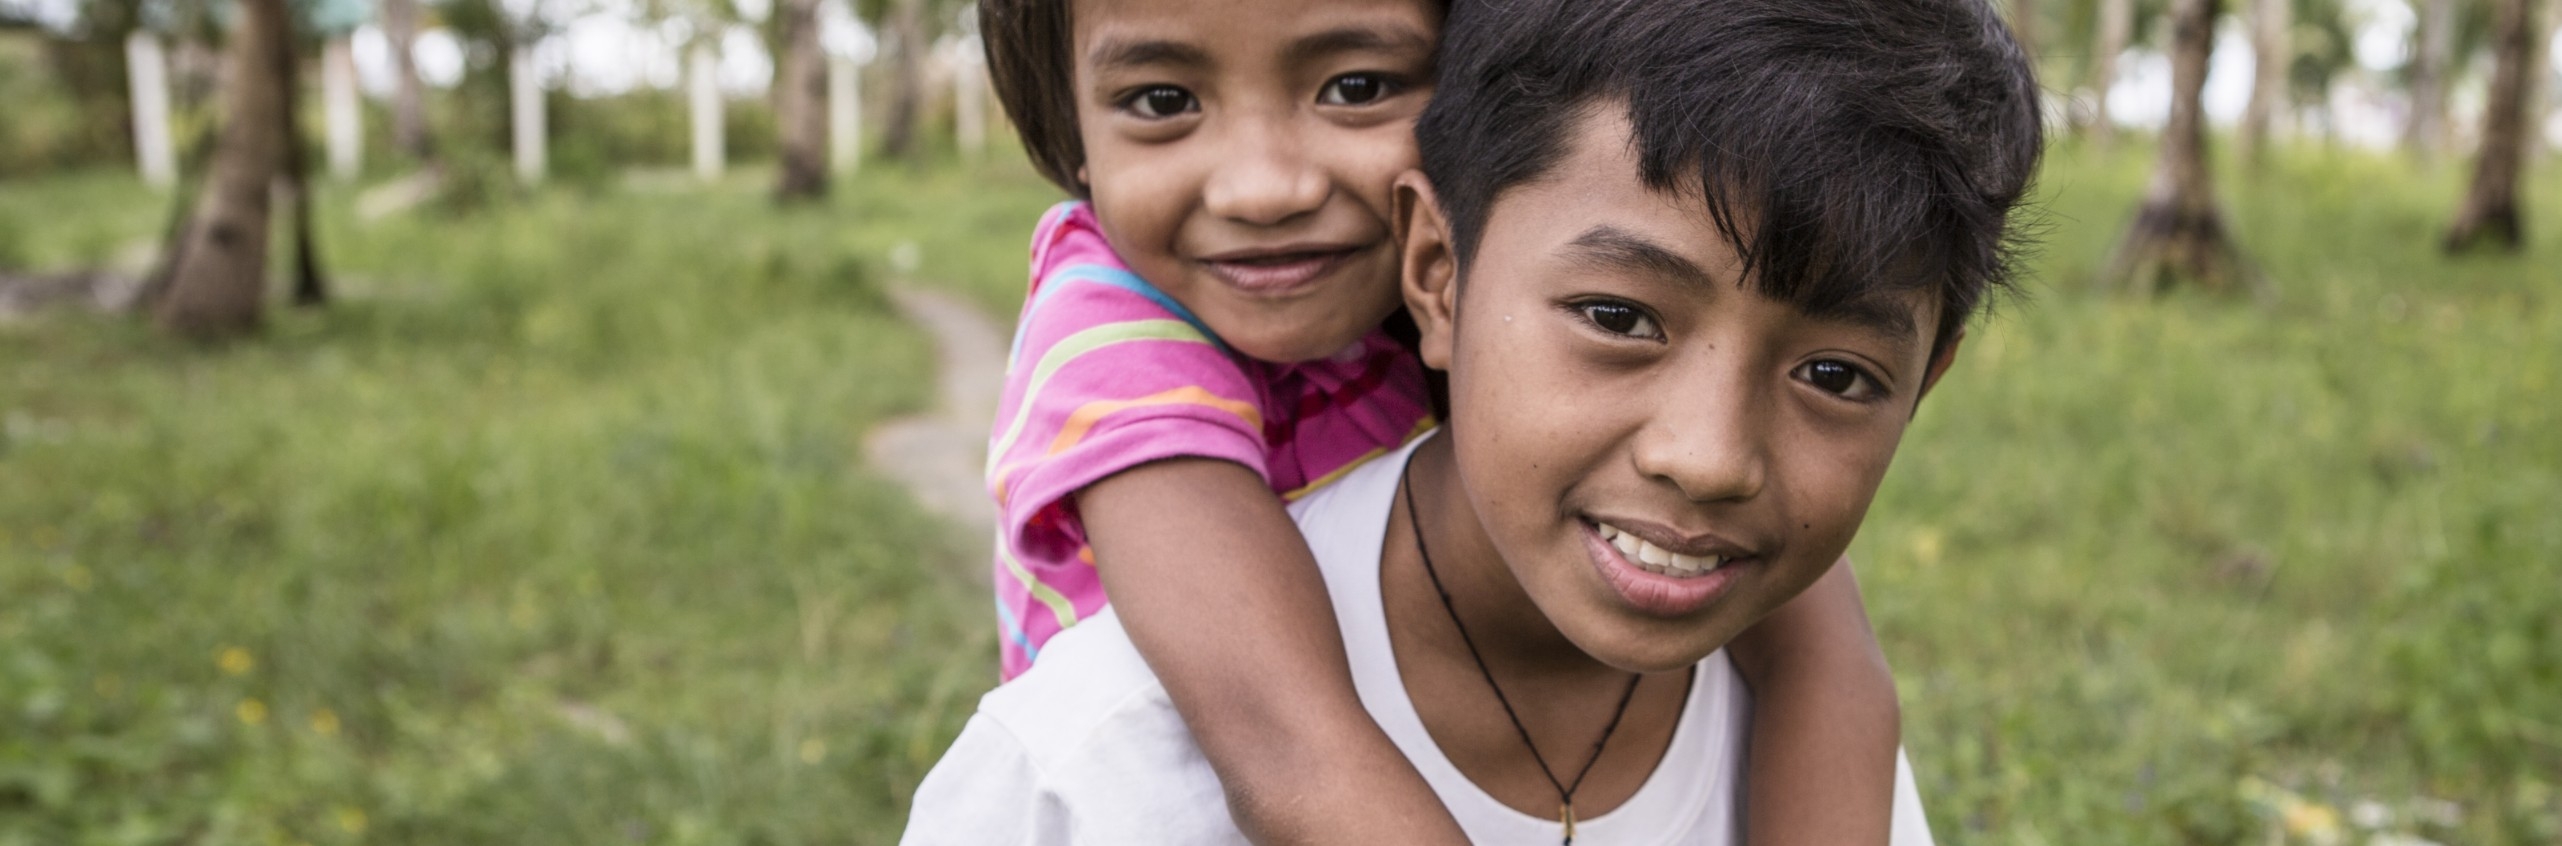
[1565, 790]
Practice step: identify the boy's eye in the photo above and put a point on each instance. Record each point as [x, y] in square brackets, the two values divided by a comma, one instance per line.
[1353, 89]
[1839, 378]
[1158, 102]
[1620, 319]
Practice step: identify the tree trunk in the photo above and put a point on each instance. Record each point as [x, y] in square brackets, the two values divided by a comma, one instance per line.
[2273, 50]
[408, 95]
[525, 115]
[2433, 49]
[344, 107]
[293, 184]
[2116, 25]
[2490, 211]
[2178, 235]
[800, 105]
[907, 78]
[147, 68]
[844, 116]
[703, 91]
[215, 277]
[969, 103]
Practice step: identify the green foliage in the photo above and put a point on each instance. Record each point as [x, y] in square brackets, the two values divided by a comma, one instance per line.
[557, 526]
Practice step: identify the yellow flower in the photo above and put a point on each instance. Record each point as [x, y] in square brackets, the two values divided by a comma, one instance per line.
[1926, 546]
[250, 711]
[2312, 821]
[813, 750]
[352, 819]
[77, 578]
[235, 661]
[324, 722]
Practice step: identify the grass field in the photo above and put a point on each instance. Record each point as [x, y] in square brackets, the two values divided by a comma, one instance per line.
[556, 531]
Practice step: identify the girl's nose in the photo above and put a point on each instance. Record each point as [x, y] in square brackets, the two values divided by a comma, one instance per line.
[1265, 179]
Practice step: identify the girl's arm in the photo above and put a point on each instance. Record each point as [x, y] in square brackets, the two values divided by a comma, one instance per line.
[1825, 723]
[1219, 592]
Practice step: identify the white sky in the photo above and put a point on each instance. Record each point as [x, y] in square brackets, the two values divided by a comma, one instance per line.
[603, 48]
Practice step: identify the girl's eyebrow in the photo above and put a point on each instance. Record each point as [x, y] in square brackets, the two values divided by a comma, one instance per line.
[1358, 39]
[1116, 54]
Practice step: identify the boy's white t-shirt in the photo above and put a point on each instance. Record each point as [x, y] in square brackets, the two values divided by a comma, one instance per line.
[1086, 748]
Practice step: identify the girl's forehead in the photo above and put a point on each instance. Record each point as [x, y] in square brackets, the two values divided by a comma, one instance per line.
[1115, 32]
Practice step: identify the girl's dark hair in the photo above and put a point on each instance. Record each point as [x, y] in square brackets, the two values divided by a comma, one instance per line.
[1028, 59]
[1846, 148]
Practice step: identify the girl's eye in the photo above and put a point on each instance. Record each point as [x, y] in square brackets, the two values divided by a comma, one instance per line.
[1353, 89]
[1160, 102]
[1620, 319]
[1839, 379]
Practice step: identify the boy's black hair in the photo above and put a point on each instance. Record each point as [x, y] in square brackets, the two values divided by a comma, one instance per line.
[1846, 148]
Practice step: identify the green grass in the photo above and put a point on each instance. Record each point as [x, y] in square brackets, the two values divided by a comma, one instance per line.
[2169, 571]
[556, 530]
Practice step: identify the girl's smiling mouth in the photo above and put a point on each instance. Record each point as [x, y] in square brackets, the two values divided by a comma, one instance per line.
[1658, 581]
[1278, 271]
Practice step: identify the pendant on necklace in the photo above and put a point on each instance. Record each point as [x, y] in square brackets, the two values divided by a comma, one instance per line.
[1566, 816]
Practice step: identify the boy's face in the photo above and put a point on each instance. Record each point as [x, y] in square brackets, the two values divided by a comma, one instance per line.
[1619, 397]
[1240, 156]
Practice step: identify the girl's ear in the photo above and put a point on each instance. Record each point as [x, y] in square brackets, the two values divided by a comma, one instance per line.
[1428, 267]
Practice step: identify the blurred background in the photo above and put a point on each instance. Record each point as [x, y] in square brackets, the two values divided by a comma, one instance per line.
[445, 421]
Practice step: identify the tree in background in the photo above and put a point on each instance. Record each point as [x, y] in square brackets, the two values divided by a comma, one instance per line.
[2178, 235]
[2273, 55]
[2489, 215]
[2432, 54]
[211, 283]
[400, 20]
[905, 41]
[800, 103]
[2113, 27]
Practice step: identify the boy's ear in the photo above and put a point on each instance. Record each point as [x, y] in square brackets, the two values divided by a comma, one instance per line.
[1939, 365]
[1428, 267]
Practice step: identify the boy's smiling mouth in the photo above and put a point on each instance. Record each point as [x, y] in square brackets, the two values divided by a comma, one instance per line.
[1659, 573]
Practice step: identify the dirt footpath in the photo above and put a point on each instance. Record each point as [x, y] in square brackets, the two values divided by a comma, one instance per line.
[941, 456]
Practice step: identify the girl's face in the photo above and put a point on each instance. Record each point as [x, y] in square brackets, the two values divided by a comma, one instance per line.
[1240, 155]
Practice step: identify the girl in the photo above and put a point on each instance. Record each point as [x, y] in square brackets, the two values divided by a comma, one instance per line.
[1203, 341]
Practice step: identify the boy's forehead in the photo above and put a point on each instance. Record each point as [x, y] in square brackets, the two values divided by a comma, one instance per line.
[1594, 209]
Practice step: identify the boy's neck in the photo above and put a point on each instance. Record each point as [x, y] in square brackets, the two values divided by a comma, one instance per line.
[1559, 695]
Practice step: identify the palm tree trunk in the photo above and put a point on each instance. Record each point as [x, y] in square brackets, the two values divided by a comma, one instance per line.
[907, 78]
[293, 181]
[2273, 52]
[215, 278]
[409, 96]
[800, 104]
[2434, 45]
[2116, 25]
[2490, 211]
[2178, 236]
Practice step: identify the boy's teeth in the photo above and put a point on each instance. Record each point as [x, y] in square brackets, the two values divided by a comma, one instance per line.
[1656, 559]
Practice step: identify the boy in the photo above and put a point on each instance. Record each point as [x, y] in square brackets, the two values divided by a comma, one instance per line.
[1690, 266]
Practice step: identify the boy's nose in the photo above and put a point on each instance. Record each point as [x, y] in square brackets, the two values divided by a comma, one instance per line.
[1706, 442]
[1265, 179]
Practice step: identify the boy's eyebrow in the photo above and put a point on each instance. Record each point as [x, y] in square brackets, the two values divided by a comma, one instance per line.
[1609, 246]
[1612, 247]
[1359, 39]
[1116, 53]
